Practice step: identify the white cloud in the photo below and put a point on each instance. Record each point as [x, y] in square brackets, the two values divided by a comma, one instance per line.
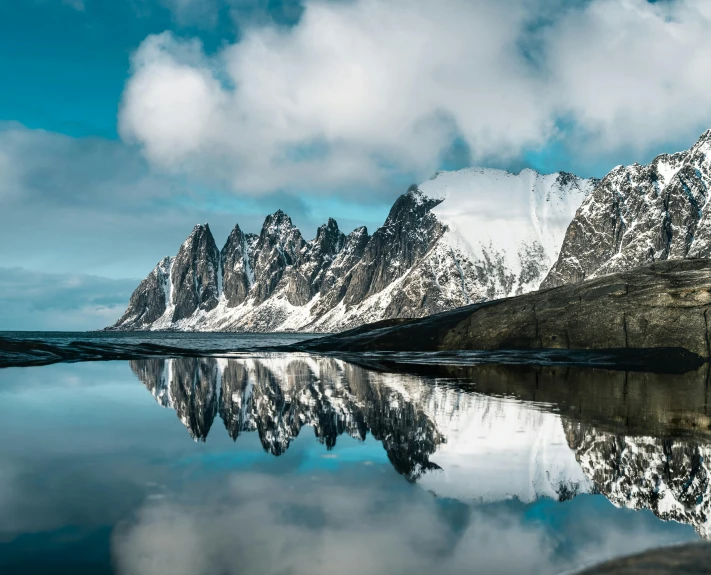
[180, 100]
[353, 91]
[360, 90]
[633, 73]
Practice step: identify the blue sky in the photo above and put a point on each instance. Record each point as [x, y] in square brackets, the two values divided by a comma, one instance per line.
[125, 122]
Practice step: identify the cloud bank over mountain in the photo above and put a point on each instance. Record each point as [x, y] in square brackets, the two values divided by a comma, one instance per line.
[358, 90]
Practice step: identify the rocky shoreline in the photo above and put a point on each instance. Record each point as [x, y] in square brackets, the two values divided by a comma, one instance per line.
[661, 305]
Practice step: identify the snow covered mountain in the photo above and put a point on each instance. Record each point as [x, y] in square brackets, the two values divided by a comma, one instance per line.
[641, 214]
[459, 238]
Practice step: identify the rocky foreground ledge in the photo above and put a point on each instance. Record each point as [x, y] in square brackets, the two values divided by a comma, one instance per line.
[662, 305]
[691, 559]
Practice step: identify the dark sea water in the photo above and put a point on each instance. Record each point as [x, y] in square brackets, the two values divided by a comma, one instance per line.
[292, 463]
[196, 341]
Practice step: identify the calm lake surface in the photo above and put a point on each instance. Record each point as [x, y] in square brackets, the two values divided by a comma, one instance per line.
[289, 463]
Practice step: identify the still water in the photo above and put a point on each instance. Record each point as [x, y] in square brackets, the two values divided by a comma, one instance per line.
[288, 463]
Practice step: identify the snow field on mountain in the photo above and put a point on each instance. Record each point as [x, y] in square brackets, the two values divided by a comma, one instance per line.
[511, 220]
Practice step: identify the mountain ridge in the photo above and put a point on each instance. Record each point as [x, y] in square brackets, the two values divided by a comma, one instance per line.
[421, 261]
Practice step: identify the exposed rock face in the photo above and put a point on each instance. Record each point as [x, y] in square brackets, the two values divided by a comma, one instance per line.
[193, 275]
[304, 280]
[638, 215]
[338, 276]
[329, 242]
[424, 259]
[660, 305]
[236, 267]
[409, 231]
[150, 300]
[279, 246]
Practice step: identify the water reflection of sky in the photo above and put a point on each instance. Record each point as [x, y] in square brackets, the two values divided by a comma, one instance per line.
[95, 476]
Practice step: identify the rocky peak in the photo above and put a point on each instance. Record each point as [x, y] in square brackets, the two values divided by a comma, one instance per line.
[304, 280]
[236, 269]
[437, 250]
[163, 266]
[704, 141]
[150, 299]
[276, 224]
[338, 276]
[566, 179]
[278, 232]
[279, 246]
[408, 233]
[236, 236]
[353, 247]
[194, 274]
[329, 239]
[410, 207]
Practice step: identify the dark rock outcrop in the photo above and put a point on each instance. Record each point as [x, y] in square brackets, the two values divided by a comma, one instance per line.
[409, 232]
[337, 278]
[279, 245]
[304, 279]
[661, 305]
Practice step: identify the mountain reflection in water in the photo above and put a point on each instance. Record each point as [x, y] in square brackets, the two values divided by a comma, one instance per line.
[480, 434]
